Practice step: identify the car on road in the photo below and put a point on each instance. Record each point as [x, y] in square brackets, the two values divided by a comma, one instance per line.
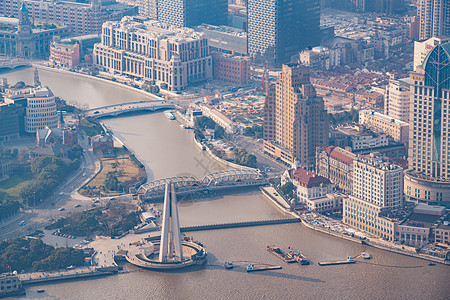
[97, 201]
[22, 223]
[93, 205]
[78, 205]
[62, 209]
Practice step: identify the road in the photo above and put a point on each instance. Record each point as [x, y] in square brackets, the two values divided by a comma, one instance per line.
[270, 166]
[61, 203]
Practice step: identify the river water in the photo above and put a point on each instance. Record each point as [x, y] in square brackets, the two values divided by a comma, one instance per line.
[167, 150]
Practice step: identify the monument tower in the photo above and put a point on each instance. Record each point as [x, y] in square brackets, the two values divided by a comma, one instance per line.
[170, 248]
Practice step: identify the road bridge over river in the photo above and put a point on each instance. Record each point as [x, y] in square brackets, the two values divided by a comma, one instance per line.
[117, 109]
[14, 63]
[212, 182]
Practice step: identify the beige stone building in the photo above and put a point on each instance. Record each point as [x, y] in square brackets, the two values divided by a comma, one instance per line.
[154, 52]
[377, 188]
[336, 164]
[296, 117]
[397, 98]
[396, 129]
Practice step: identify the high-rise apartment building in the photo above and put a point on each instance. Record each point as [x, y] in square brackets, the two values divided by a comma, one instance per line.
[428, 176]
[434, 16]
[166, 55]
[296, 122]
[377, 188]
[185, 13]
[280, 29]
[397, 99]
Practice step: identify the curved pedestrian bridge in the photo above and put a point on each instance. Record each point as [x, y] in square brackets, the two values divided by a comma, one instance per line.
[213, 181]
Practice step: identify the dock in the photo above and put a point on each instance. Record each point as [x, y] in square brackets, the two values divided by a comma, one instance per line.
[339, 262]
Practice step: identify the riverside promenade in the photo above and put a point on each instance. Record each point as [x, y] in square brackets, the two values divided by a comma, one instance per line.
[81, 272]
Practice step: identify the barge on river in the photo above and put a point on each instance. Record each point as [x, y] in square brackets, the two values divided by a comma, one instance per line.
[281, 254]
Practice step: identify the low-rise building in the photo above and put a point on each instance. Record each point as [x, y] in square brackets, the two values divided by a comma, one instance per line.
[232, 69]
[103, 145]
[220, 119]
[6, 167]
[314, 191]
[336, 164]
[320, 58]
[442, 231]
[225, 39]
[9, 121]
[10, 285]
[64, 55]
[396, 129]
[363, 138]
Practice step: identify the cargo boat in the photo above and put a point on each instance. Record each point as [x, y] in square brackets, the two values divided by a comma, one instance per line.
[281, 254]
[299, 257]
[339, 262]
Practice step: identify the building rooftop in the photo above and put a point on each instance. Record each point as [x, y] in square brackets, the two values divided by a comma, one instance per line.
[383, 117]
[307, 178]
[340, 154]
[155, 29]
[420, 220]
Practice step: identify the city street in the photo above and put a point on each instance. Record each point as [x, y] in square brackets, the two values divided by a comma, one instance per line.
[60, 204]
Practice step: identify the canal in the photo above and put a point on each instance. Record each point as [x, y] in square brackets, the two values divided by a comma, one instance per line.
[166, 149]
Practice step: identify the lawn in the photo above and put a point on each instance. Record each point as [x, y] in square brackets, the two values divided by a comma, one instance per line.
[127, 172]
[91, 129]
[10, 188]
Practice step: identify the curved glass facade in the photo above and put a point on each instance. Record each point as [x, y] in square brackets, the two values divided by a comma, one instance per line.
[437, 75]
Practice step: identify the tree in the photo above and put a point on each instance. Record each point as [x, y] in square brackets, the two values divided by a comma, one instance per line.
[288, 189]
[218, 132]
[111, 182]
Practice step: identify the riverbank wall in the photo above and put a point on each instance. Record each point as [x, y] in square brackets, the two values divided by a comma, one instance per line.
[220, 160]
[370, 243]
[104, 80]
[42, 277]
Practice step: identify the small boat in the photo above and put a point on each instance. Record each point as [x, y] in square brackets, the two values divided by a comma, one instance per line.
[253, 268]
[228, 265]
[365, 255]
[169, 115]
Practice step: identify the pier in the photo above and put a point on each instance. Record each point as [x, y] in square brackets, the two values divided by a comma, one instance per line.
[38, 277]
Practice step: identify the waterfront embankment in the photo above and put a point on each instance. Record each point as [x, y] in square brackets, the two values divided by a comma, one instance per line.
[84, 272]
[370, 242]
[104, 80]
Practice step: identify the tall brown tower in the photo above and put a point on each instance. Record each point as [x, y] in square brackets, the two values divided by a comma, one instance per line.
[299, 121]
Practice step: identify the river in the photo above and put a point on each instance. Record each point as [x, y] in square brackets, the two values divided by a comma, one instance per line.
[166, 149]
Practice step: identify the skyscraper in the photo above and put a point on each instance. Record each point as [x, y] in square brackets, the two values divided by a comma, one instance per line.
[434, 18]
[186, 13]
[295, 122]
[279, 29]
[428, 177]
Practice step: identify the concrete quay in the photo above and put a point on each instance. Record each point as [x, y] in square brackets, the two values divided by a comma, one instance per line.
[39, 277]
[373, 242]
